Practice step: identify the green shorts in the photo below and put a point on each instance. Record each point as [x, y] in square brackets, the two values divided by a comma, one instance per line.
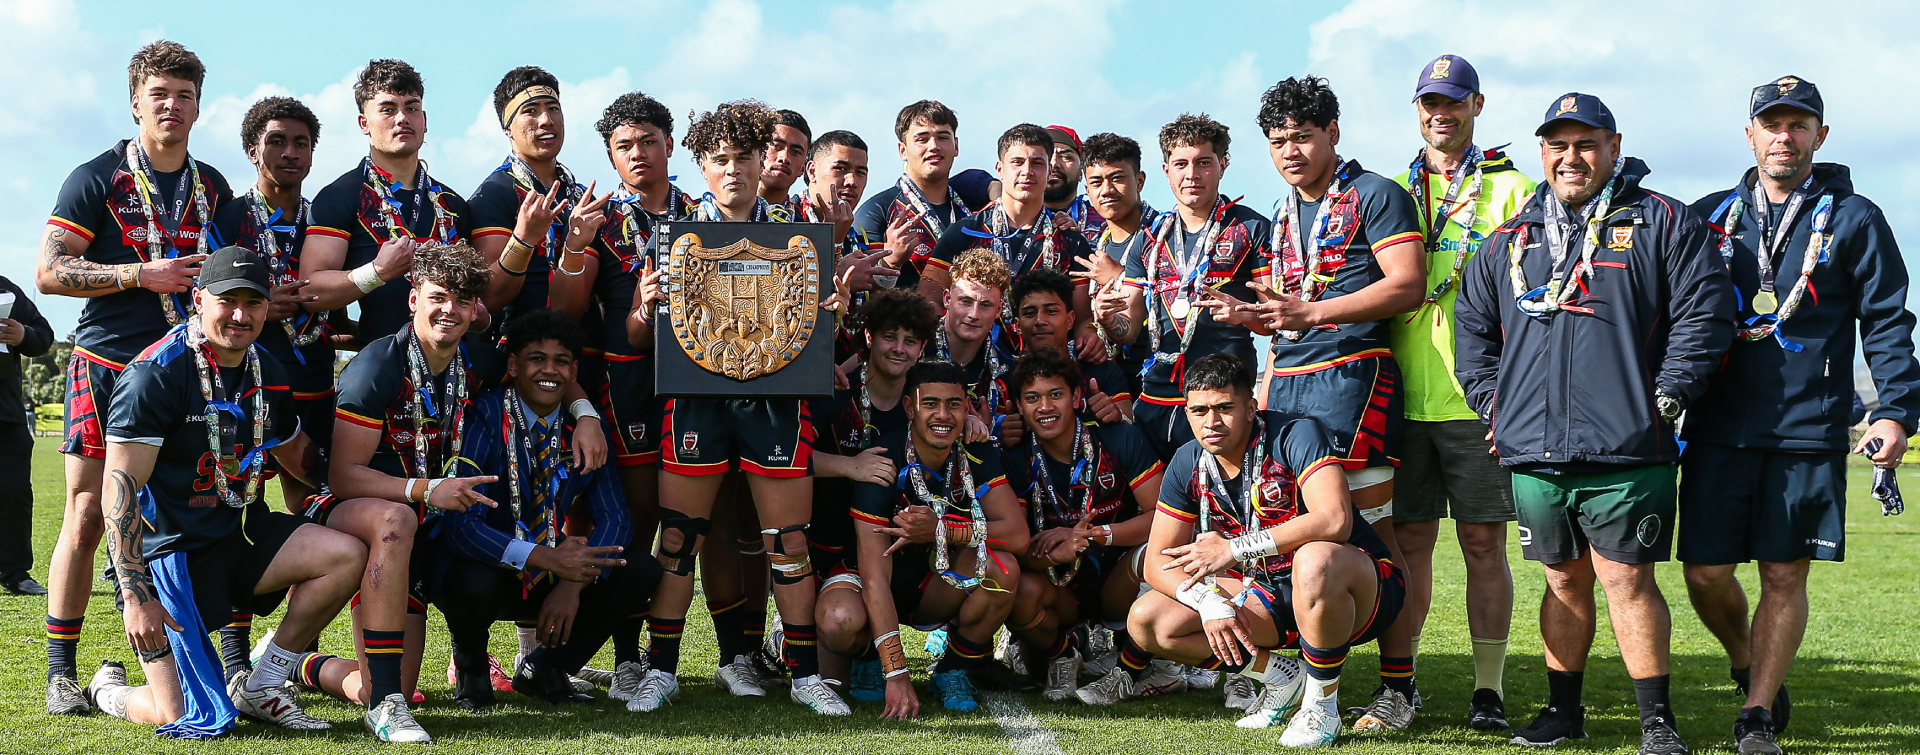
[1626, 516]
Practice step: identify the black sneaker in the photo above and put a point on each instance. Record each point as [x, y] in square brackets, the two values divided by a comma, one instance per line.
[1657, 736]
[1782, 707]
[1552, 727]
[1488, 712]
[1753, 733]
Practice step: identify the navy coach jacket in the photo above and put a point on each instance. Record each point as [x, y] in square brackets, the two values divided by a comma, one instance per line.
[1767, 396]
[1578, 388]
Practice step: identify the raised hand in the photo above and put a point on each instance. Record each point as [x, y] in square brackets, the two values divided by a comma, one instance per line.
[288, 302]
[171, 276]
[586, 221]
[461, 493]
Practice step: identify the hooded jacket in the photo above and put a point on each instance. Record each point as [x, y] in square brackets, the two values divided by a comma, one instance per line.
[1579, 388]
[1767, 395]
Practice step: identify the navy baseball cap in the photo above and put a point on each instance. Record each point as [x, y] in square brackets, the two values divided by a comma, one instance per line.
[233, 268]
[1574, 106]
[1791, 91]
[1450, 75]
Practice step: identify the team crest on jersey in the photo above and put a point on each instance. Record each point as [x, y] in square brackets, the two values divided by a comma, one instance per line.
[1441, 68]
[690, 442]
[1567, 105]
[1620, 238]
[1271, 490]
[1106, 479]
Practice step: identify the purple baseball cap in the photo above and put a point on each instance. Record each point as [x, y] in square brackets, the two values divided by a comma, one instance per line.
[1450, 75]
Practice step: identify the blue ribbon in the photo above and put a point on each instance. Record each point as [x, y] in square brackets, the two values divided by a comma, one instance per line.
[257, 454]
[426, 402]
[230, 408]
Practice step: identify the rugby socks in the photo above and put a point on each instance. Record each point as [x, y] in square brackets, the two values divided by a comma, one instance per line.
[727, 628]
[1563, 689]
[63, 642]
[1323, 675]
[384, 651]
[753, 626]
[276, 664]
[1651, 693]
[1742, 677]
[964, 653]
[626, 639]
[800, 649]
[1490, 665]
[529, 633]
[1060, 645]
[1396, 672]
[306, 672]
[236, 640]
[1132, 657]
[664, 652]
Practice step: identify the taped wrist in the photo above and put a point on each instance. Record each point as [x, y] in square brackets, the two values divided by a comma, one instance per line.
[788, 568]
[1253, 545]
[514, 259]
[893, 658]
[679, 562]
[366, 278]
[1206, 600]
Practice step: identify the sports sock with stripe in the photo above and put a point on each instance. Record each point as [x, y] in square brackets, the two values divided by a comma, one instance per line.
[1133, 658]
[306, 672]
[800, 649]
[63, 643]
[1397, 673]
[664, 651]
[384, 651]
[236, 644]
[1323, 675]
[963, 653]
[726, 628]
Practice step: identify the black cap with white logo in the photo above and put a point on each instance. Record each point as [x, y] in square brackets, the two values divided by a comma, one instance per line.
[232, 268]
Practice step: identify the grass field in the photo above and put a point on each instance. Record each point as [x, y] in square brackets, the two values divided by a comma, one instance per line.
[1860, 660]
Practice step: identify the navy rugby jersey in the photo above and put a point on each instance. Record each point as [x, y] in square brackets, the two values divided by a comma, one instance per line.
[1237, 255]
[310, 367]
[349, 208]
[373, 395]
[1125, 462]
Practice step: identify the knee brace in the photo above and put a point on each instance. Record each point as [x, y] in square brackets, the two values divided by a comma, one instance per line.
[788, 569]
[679, 562]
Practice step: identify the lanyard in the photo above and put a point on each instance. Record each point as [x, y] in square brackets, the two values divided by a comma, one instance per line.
[161, 244]
[1774, 240]
[923, 210]
[522, 174]
[1244, 508]
[1558, 293]
[1045, 497]
[1467, 175]
[1305, 248]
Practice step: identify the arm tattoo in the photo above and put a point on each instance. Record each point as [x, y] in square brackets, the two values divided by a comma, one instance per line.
[1119, 324]
[72, 272]
[123, 538]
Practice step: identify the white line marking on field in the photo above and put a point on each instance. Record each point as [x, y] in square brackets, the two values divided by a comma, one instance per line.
[1025, 734]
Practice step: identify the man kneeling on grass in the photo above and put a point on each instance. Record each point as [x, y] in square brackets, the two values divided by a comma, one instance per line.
[189, 536]
[1256, 546]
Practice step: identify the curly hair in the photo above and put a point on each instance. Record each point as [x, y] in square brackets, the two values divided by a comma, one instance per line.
[1298, 102]
[741, 124]
[276, 109]
[984, 267]
[457, 267]
[635, 109]
[1191, 130]
[516, 80]
[1025, 134]
[902, 309]
[165, 57]
[545, 325]
[1218, 372]
[1044, 362]
[1113, 149]
[930, 111]
[386, 75]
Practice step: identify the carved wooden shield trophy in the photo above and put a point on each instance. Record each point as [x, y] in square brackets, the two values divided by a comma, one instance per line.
[741, 317]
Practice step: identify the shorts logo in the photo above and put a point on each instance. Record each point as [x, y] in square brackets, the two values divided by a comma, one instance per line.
[1526, 536]
[1440, 68]
[636, 431]
[1620, 238]
[690, 442]
[1648, 532]
[1567, 105]
[779, 454]
[1822, 543]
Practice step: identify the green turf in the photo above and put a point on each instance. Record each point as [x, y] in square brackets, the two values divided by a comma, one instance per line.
[1855, 675]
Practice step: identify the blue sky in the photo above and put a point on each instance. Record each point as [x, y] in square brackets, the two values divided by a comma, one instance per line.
[1676, 75]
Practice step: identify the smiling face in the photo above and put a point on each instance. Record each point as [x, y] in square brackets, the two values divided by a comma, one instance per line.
[971, 309]
[1046, 406]
[1114, 188]
[1193, 173]
[786, 155]
[937, 413]
[839, 174]
[1023, 170]
[1446, 123]
[540, 372]
[1044, 320]
[395, 124]
[639, 152]
[231, 320]
[1304, 153]
[892, 353]
[538, 129]
[166, 108]
[1784, 140]
[929, 150]
[1221, 421]
[1578, 159]
[439, 314]
[732, 173]
[284, 155]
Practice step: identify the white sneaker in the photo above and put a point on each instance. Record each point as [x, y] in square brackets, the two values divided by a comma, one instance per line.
[271, 705]
[1098, 664]
[655, 691]
[1112, 688]
[739, 678]
[1062, 674]
[1200, 678]
[1281, 695]
[1007, 649]
[111, 675]
[813, 692]
[1163, 678]
[597, 677]
[1313, 726]
[1241, 692]
[390, 721]
[626, 678]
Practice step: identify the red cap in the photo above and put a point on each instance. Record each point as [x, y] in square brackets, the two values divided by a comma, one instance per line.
[1064, 134]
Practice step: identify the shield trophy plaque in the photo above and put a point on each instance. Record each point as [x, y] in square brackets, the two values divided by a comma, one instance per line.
[741, 317]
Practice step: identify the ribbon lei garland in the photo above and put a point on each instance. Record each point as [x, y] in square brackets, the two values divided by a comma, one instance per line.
[419, 399]
[1557, 294]
[1468, 175]
[214, 391]
[523, 175]
[1190, 271]
[513, 426]
[1299, 250]
[1047, 498]
[160, 244]
[280, 260]
[916, 474]
[425, 191]
[923, 210]
[1819, 244]
[1243, 510]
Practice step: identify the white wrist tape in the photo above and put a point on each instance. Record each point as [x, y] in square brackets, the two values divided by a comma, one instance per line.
[1253, 545]
[582, 409]
[366, 278]
[1207, 601]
